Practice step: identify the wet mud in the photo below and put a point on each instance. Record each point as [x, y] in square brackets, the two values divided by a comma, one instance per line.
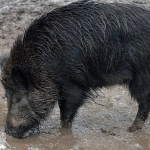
[101, 124]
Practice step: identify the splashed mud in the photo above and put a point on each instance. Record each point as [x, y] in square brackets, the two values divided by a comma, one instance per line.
[101, 123]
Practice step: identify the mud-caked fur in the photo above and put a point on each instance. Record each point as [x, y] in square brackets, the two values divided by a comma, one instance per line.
[68, 51]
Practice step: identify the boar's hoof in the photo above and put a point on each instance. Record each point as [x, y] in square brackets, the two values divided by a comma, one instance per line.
[134, 128]
[137, 125]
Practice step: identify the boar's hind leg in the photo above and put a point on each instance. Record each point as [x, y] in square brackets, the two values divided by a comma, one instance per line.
[142, 95]
[142, 115]
[71, 98]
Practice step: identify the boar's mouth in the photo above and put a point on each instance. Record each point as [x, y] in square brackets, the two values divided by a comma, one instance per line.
[22, 131]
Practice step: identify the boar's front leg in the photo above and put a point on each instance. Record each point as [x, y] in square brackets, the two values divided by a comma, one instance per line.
[71, 98]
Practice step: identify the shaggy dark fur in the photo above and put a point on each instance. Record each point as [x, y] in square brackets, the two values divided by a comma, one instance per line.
[68, 51]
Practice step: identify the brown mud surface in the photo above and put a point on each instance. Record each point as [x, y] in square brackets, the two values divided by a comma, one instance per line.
[101, 123]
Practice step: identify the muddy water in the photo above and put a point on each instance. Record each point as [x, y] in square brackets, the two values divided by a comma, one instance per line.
[101, 123]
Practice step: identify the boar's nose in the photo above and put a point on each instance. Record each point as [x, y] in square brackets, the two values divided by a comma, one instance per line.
[12, 131]
[20, 132]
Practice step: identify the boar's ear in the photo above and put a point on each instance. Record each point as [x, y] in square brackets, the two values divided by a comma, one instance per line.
[20, 78]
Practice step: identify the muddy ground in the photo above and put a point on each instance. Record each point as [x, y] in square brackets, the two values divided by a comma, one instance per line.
[101, 124]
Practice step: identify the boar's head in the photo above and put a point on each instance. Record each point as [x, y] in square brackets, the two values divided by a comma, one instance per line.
[30, 97]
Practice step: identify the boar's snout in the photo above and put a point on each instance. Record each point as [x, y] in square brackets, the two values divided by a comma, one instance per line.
[17, 132]
[21, 122]
[21, 130]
